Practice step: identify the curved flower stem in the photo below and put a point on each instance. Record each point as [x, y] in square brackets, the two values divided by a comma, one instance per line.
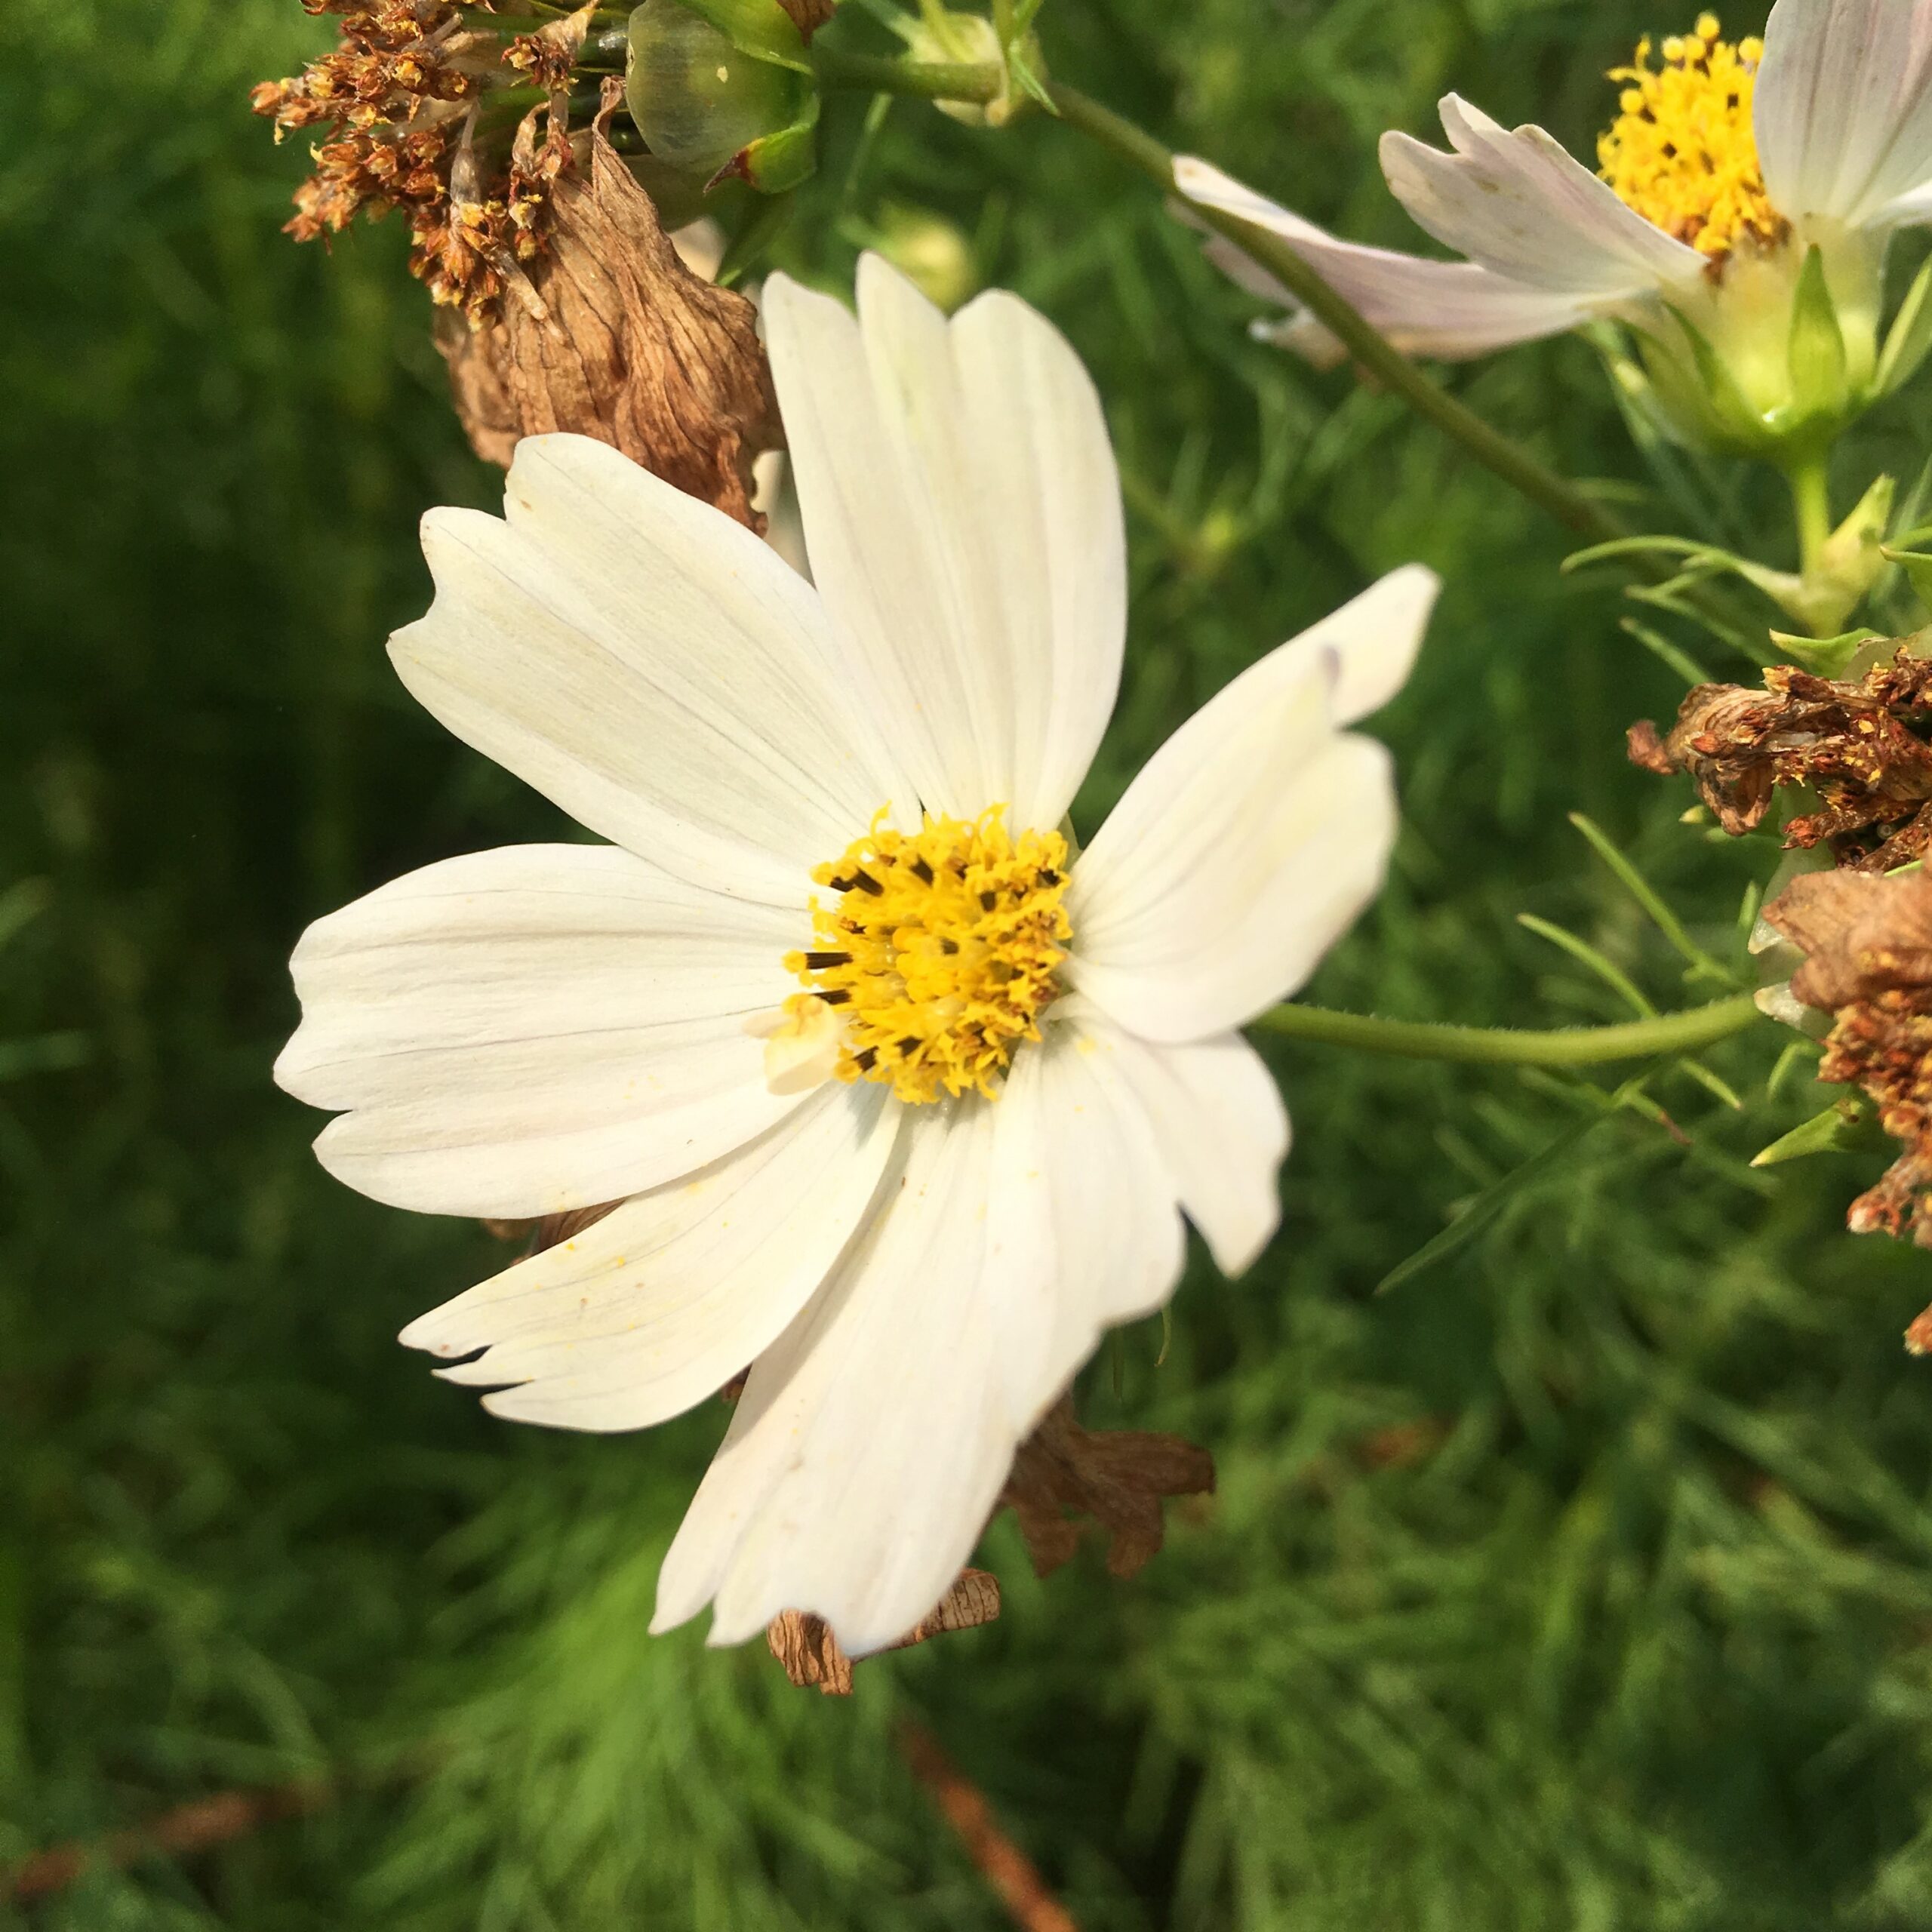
[1670, 1033]
[1365, 342]
[978, 81]
[1371, 350]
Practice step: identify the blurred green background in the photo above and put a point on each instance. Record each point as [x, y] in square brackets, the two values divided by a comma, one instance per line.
[1582, 1582]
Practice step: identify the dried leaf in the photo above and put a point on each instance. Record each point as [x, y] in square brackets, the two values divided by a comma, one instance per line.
[630, 347]
[803, 1644]
[1119, 1478]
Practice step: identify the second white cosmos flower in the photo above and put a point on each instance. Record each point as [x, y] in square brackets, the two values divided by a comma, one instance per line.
[903, 1097]
[1738, 222]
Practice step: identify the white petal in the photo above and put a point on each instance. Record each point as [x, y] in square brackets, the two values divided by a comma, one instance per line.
[536, 1029]
[649, 665]
[661, 1302]
[1217, 1116]
[1519, 205]
[962, 516]
[1374, 638]
[1450, 309]
[872, 1441]
[1246, 846]
[1843, 106]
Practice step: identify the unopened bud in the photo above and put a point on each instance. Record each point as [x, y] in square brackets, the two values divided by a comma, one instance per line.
[721, 91]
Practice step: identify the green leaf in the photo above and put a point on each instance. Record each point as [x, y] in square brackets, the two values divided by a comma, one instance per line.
[1845, 1127]
[1485, 1208]
[21, 902]
[1827, 656]
[760, 28]
[48, 1053]
[1910, 337]
[1917, 565]
[1820, 387]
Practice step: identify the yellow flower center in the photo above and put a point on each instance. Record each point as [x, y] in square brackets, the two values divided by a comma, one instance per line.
[938, 956]
[1683, 152]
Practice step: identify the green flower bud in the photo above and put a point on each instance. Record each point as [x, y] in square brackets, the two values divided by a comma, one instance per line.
[721, 90]
[945, 38]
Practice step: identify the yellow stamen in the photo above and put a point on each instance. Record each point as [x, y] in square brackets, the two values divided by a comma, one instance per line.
[1682, 152]
[939, 957]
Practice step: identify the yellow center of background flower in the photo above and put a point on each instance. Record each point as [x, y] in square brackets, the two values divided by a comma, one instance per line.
[939, 955]
[1683, 152]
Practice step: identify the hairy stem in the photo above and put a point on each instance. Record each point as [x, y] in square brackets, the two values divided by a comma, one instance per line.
[978, 81]
[1371, 348]
[1502, 1046]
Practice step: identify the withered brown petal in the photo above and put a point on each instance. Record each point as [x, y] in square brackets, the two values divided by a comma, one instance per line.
[803, 1643]
[632, 348]
[1120, 1478]
[1861, 934]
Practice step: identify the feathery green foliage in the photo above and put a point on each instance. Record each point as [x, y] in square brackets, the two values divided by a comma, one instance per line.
[1583, 1581]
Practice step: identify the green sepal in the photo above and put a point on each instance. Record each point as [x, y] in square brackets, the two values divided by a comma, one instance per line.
[1846, 1126]
[775, 164]
[1728, 419]
[761, 27]
[1820, 385]
[1917, 565]
[1828, 656]
[700, 103]
[1909, 339]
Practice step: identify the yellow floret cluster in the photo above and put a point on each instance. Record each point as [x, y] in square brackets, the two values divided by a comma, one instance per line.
[1683, 152]
[940, 951]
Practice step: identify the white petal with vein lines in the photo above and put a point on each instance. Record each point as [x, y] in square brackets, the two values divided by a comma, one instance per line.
[538, 1027]
[1246, 847]
[661, 1302]
[1217, 1118]
[1451, 309]
[872, 1440]
[962, 516]
[1515, 202]
[1843, 107]
[650, 666]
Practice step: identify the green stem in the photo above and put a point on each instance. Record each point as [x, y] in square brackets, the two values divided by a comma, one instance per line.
[1365, 342]
[1671, 1033]
[1811, 498]
[1372, 351]
[979, 82]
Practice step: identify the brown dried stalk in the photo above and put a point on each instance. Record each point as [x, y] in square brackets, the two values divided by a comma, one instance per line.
[1006, 1868]
[199, 1826]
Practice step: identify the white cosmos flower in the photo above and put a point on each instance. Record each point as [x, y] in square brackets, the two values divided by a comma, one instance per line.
[1727, 165]
[665, 1021]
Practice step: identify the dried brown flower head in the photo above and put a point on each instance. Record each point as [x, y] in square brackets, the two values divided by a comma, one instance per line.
[1867, 946]
[621, 341]
[1860, 744]
[437, 116]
